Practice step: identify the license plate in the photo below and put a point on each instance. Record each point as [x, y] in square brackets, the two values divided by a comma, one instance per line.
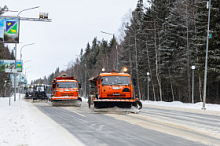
[116, 88]
[67, 90]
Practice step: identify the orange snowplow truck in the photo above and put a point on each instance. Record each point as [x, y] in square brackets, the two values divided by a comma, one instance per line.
[65, 91]
[112, 89]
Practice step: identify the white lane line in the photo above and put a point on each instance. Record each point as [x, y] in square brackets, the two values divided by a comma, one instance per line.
[78, 114]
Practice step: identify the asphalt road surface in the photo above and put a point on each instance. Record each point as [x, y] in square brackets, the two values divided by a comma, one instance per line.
[153, 126]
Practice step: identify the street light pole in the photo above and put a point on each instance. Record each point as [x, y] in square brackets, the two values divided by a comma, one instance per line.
[23, 47]
[5, 88]
[16, 54]
[193, 67]
[15, 73]
[206, 60]
[117, 57]
[26, 69]
[27, 9]
[85, 78]
[22, 68]
[148, 79]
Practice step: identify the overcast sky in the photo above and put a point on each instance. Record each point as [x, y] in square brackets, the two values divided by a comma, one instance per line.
[74, 24]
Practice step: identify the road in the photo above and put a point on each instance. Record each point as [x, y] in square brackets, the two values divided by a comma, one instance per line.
[152, 126]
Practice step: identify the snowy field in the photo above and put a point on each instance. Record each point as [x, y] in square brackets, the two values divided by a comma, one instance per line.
[22, 124]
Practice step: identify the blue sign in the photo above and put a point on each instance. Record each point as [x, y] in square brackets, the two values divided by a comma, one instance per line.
[9, 29]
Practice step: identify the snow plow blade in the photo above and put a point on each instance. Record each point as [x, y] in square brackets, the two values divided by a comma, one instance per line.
[71, 102]
[112, 103]
[117, 110]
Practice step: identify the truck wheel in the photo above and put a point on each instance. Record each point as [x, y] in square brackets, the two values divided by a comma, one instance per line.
[139, 104]
[80, 99]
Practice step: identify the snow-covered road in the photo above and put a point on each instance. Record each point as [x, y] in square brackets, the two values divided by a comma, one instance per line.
[24, 123]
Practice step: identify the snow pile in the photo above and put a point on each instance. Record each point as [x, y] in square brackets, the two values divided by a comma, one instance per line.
[177, 104]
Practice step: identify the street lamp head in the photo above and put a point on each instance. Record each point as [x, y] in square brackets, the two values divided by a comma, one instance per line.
[193, 67]
[148, 73]
[125, 69]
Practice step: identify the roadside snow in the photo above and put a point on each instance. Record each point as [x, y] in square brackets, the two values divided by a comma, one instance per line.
[177, 104]
[23, 124]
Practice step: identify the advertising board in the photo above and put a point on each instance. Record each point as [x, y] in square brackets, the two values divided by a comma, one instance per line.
[9, 66]
[9, 29]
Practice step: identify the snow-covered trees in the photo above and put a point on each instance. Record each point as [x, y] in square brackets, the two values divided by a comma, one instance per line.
[165, 39]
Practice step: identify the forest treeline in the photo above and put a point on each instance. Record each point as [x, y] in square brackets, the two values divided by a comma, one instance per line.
[5, 87]
[165, 39]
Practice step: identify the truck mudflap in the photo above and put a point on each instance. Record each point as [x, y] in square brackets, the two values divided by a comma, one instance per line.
[66, 101]
[120, 103]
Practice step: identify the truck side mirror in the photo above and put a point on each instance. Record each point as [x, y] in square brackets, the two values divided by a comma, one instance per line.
[79, 85]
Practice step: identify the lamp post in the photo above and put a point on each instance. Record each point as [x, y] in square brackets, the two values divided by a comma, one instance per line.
[206, 59]
[193, 67]
[22, 68]
[23, 47]
[28, 72]
[26, 69]
[16, 53]
[26, 61]
[148, 80]
[116, 49]
[27, 9]
[5, 88]
[85, 78]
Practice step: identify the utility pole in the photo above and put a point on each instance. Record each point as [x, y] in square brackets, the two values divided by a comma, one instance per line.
[117, 57]
[206, 59]
[15, 73]
[85, 78]
[5, 88]
[148, 80]
[193, 68]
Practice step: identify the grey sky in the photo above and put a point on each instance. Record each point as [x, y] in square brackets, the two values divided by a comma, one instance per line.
[74, 24]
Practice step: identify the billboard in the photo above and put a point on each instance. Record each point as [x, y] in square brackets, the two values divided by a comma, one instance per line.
[9, 65]
[9, 29]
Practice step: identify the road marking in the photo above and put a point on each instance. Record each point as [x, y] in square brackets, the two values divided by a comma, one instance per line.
[78, 114]
[175, 130]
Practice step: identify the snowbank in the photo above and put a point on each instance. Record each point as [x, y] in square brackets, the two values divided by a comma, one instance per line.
[177, 104]
[23, 124]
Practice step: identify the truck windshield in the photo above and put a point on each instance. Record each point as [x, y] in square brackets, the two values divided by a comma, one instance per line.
[40, 89]
[116, 80]
[67, 85]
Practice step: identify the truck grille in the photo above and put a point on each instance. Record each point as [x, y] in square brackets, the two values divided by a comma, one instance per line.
[115, 95]
[67, 94]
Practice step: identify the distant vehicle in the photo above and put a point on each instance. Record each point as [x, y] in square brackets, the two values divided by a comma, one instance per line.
[29, 91]
[40, 92]
[112, 89]
[65, 91]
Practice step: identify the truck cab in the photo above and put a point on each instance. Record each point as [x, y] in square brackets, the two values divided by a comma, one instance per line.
[115, 85]
[112, 89]
[65, 91]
